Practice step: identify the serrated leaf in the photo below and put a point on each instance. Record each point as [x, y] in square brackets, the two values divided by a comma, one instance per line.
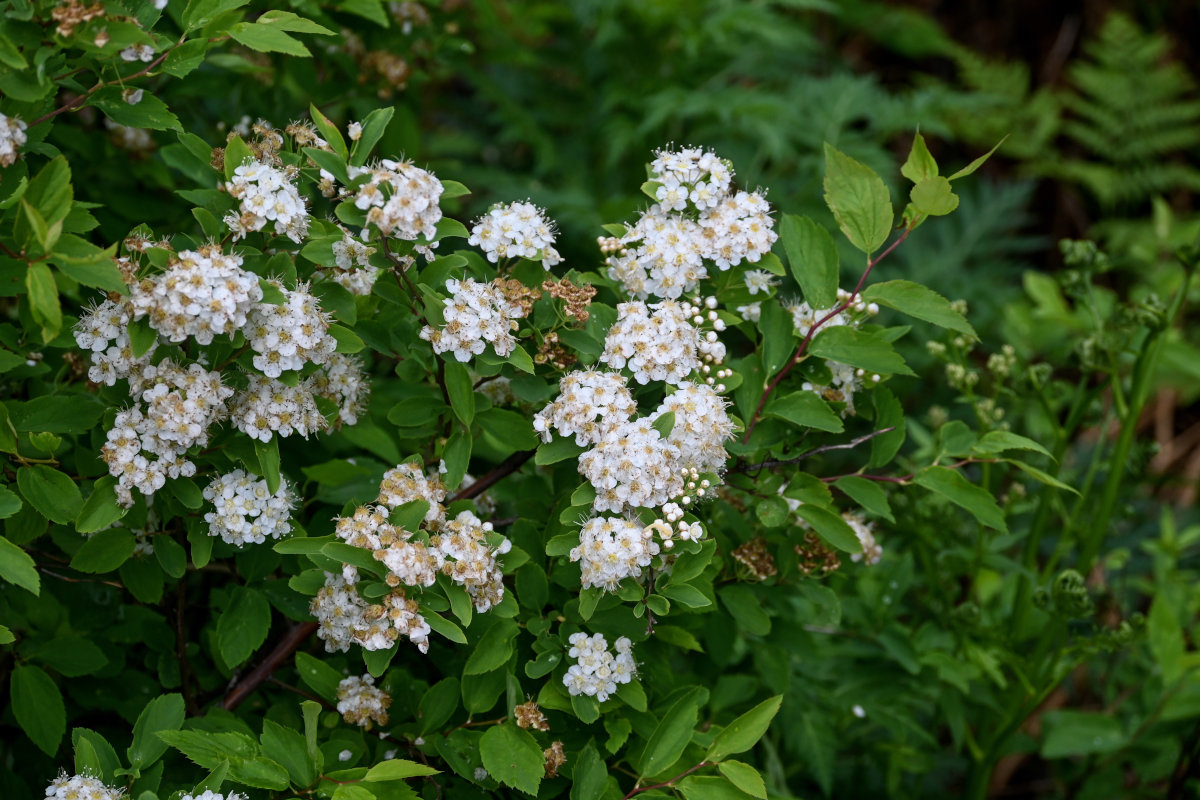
[238, 751]
[243, 626]
[813, 258]
[994, 442]
[397, 769]
[805, 409]
[951, 485]
[512, 757]
[164, 713]
[920, 302]
[18, 568]
[933, 197]
[868, 351]
[920, 163]
[830, 527]
[859, 200]
[868, 494]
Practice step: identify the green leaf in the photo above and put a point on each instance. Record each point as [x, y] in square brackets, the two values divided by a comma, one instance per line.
[868, 494]
[509, 428]
[266, 38]
[951, 485]
[397, 769]
[311, 711]
[141, 337]
[72, 656]
[170, 555]
[869, 351]
[778, 342]
[461, 390]
[288, 21]
[813, 258]
[287, 747]
[6, 635]
[1079, 733]
[859, 200]
[38, 706]
[920, 302]
[318, 676]
[185, 58]
[104, 552]
[977, 163]
[150, 112]
[237, 152]
[438, 704]
[241, 753]
[512, 757]
[744, 777]
[87, 760]
[664, 423]
[888, 414]
[268, 462]
[43, 298]
[330, 162]
[163, 713]
[243, 626]
[805, 409]
[329, 132]
[830, 527]
[687, 595]
[560, 448]
[745, 608]
[101, 508]
[444, 627]
[452, 189]
[590, 775]
[745, 731]
[10, 503]
[672, 733]
[994, 442]
[772, 511]
[494, 648]
[373, 127]
[18, 568]
[1165, 637]
[709, 787]
[1041, 476]
[347, 340]
[920, 164]
[933, 197]
[201, 12]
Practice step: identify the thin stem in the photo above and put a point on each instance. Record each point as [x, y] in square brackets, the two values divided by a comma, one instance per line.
[485, 482]
[667, 784]
[287, 645]
[743, 468]
[83, 98]
[808, 337]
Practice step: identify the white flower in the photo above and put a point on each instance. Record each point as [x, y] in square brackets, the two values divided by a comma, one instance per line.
[360, 703]
[597, 672]
[516, 230]
[469, 559]
[589, 404]
[12, 138]
[138, 52]
[203, 293]
[341, 380]
[354, 130]
[246, 511]
[759, 280]
[103, 331]
[353, 269]
[632, 466]
[288, 336]
[266, 194]
[268, 407]
[872, 552]
[80, 787]
[475, 314]
[400, 199]
[660, 346]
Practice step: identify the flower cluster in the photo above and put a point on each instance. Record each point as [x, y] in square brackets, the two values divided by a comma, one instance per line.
[267, 194]
[342, 382]
[352, 260]
[177, 408]
[612, 549]
[246, 510]
[516, 230]
[406, 483]
[203, 293]
[409, 563]
[104, 331]
[661, 345]
[360, 703]
[632, 466]
[80, 787]
[469, 559]
[288, 336]
[12, 138]
[596, 672]
[872, 551]
[698, 218]
[344, 617]
[400, 199]
[589, 404]
[475, 314]
[209, 794]
[702, 426]
[268, 407]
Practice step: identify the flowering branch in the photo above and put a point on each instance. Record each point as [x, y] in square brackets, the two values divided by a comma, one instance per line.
[669, 783]
[812, 332]
[71, 105]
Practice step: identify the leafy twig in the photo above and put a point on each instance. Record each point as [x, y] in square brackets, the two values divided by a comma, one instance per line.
[669, 783]
[744, 468]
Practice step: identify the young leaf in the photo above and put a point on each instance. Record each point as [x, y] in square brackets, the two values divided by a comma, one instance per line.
[165, 713]
[813, 258]
[512, 757]
[329, 132]
[920, 302]
[859, 200]
[933, 197]
[373, 127]
[977, 163]
[920, 164]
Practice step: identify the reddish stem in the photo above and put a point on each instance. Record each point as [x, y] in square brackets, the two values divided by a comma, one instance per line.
[667, 784]
[274, 660]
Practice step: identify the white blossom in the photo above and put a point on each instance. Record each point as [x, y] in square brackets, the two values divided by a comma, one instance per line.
[80, 787]
[266, 194]
[589, 404]
[268, 407]
[103, 331]
[246, 511]
[400, 199]
[288, 336]
[469, 559]
[361, 703]
[661, 345]
[597, 672]
[202, 294]
[475, 314]
[12, 138]
[516, 230]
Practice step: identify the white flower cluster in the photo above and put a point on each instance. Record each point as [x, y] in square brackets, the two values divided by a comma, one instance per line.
[660, 346]
[702, 426]
[178, 408]
[632, 466]
[288, 336]
[80, 787]
[209, 794]
[203, 294]
[612, 549]
[872, 551]
[268, 407]
[516, 230]
[589, 404]
[596, 672]
[698, 218]
[406, 483]
[475, 314]
[344, 617]
[409, 562]
[12, 138]
[266, 194]
[138, 52]
[104, 331]
[342, 382]
[469, 560]
[360, 703]
[354, 271]
[400, 199]
[759, 280]
[245, 509]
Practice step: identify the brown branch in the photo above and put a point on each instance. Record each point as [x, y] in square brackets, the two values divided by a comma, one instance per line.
[667, 784]
[287, 645]
[812, 332]
[485, 482]
[83, 98]
[743, 468]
